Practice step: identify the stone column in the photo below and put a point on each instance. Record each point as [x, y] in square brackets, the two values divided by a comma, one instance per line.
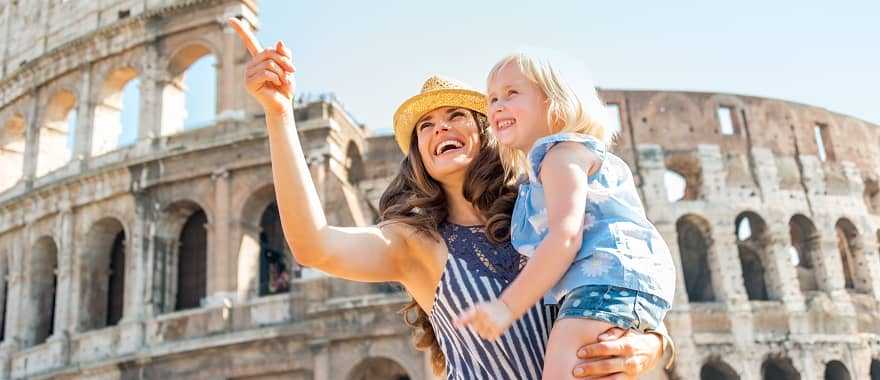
[232, 102]
[712, 171]
[149, 121]
[31, 145]
[727, 274]
[785, 274]
[64, 322]
[82, 141]
[222, 273]
[321, 355]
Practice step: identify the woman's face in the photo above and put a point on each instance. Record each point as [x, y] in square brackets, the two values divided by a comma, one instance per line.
[448, 141]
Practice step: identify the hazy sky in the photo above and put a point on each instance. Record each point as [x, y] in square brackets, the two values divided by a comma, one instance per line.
[373, 55]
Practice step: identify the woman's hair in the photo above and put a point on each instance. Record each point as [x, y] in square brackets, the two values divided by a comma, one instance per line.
[418, 200]
[573, 105]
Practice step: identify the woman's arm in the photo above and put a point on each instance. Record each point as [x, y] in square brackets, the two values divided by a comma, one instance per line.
[370, 254]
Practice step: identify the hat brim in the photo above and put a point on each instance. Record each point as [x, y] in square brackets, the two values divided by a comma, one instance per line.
[417, 106]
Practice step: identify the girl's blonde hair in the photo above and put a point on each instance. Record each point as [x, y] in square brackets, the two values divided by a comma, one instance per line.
[573, 105]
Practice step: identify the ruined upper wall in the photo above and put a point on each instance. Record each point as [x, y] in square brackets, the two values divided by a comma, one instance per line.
[679, 121]
[32, 28]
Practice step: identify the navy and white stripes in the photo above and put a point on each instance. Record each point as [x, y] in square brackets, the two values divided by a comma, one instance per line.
[519, 353]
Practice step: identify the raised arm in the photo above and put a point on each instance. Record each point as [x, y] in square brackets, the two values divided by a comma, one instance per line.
[369, 254]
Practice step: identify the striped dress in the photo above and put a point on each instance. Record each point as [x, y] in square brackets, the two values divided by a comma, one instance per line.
[478, 271]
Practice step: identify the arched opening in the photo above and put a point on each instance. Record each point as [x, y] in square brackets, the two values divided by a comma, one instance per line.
[687, 168]
[378, 369]
[872, 195]
[191, 262]
[12, 142]
[849, 245]
[676, 186]
[806, 243]
[717, 370]
[4, 292]
[189, 96]
[116, 291]
[117, 109]
[779, 368]
[103, 285]
[55, 141]
[354, 164]
[875, 369]
[835, 370]
[751, 243]
[43, 285]
[276, 268]
[694, 244]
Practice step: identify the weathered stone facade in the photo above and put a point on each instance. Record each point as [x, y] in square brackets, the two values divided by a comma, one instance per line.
[147, 261]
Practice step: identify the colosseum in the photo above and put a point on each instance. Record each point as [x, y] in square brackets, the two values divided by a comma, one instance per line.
[161, 256]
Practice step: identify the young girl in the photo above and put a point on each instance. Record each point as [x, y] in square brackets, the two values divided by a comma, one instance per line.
[579, 217]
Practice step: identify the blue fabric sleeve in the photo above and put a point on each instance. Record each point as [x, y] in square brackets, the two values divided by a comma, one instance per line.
[543, 145]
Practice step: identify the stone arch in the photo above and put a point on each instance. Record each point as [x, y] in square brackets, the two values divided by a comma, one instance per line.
[688, 167]
[108, 112]
[752, 243]
[43, 283]
[872, 195]
[264, 257]
[694, 244]
[182, 255]
[852, 256]
[807, 245]
[102, 265]
[835, 370]
[378, 368]
[779, 368]
[717, 369]
[54, 143]
[175, 99]
[276, 263]
[12, 146]
[191, 263]
[354, 163]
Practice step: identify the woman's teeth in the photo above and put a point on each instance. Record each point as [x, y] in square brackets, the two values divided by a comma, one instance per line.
[447, 146]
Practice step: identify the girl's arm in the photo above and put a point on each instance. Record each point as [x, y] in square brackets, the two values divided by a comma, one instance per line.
[564, 173]
[369, 254]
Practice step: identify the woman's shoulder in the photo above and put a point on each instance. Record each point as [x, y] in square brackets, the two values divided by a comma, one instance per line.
[418, 245]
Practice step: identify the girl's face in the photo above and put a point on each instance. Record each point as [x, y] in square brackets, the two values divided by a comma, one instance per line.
[448, 141]
[517, 109]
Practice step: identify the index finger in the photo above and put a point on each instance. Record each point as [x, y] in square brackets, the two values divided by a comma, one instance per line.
[250, 41]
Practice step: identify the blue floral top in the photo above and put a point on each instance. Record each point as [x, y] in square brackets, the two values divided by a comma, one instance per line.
[620, 247]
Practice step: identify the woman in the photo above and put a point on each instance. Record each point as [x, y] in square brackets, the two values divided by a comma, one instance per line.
[443, 235]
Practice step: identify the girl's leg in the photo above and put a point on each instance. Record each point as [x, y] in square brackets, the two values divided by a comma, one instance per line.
[566, 337]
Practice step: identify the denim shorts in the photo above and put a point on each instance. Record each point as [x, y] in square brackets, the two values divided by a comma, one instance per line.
[625, 308]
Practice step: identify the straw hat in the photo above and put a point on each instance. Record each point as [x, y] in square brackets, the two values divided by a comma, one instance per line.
[437, 92]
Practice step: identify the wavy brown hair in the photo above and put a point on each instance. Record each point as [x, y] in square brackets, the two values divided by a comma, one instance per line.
[418, 200]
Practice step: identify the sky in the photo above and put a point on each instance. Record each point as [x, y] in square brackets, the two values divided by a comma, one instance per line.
[374, 55]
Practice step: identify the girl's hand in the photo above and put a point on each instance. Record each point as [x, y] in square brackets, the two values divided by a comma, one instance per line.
[269, 74]
[489, 319]
[619, 355]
